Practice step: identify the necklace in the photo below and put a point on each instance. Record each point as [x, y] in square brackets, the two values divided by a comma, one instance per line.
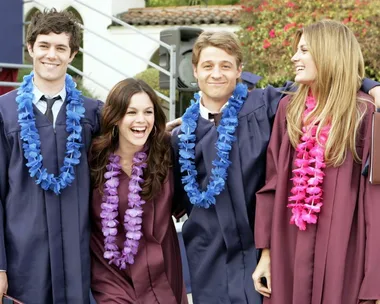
[226, 137]
[32, 143]
[308, 176]
[133, 215]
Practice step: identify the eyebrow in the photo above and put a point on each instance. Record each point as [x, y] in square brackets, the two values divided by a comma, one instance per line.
[223, 61]
[58, 45]
[133, 108]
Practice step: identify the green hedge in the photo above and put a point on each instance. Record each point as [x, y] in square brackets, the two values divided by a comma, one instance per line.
[268, 27]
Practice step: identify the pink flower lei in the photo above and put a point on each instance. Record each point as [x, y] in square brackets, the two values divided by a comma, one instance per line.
[133, 215]
[308, 175]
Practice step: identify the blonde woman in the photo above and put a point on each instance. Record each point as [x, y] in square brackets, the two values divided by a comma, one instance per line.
[317, 216]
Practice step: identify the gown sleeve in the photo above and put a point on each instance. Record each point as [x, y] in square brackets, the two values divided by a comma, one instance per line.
[98, 117]
[272, 96]
[368, 84]
[266, 196]
[370, 287]
[3, 191]
[179, 193]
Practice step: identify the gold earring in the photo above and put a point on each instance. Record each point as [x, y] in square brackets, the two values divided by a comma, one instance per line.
[114, 131]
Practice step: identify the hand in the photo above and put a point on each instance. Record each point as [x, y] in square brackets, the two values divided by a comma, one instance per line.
[172, 124]
[375, 93]
[3, 283]
[263, 271]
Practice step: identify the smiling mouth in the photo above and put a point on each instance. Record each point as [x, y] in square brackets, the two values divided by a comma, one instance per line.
[300, 68]
[50, 64]
[139, 130]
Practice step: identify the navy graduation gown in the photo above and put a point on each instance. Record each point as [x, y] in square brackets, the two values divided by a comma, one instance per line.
[219, 240]
[44, 238]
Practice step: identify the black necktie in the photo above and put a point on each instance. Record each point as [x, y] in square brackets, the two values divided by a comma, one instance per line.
[216, 117]
[49, 106]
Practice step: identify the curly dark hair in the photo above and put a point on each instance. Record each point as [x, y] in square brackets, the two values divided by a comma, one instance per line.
[52, 21]
[159, 155]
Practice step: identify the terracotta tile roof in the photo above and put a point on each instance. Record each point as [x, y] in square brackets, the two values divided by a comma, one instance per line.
[182, 15]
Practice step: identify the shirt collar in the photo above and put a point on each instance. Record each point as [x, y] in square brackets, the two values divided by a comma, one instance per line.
[38, 94]
[203, 111]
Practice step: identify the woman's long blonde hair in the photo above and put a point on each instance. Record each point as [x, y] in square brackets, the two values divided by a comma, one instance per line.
[340, 69]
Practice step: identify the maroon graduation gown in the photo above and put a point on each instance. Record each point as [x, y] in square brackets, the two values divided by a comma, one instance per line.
[338, 259]
[156, 275]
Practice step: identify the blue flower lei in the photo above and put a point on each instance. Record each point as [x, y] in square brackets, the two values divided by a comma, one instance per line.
[32, 144]
[226, 130]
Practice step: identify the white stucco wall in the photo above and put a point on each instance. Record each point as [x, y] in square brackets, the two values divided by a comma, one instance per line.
[126, 38]
[119, 6]
[127, 63]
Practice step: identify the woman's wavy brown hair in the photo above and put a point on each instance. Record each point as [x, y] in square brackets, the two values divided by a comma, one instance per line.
[159, 154]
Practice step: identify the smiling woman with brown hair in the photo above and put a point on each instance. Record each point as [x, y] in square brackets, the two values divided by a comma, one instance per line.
[134, 246]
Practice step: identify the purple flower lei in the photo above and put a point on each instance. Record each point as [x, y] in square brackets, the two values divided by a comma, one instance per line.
[133, 215]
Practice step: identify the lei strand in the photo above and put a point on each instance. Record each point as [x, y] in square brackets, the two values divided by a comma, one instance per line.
[133, 215]
[308, 175]
[226, 130]
[32, 144]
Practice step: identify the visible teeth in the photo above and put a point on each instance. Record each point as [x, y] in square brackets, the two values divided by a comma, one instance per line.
[299, 69]
[138, 129]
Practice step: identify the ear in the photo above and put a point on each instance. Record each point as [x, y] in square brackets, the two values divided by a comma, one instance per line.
[72, 56]
[239, 70]
[195, 72]
[30, 50]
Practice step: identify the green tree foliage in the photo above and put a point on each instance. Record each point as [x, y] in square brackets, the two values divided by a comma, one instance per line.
[151, 77]
[268, 28]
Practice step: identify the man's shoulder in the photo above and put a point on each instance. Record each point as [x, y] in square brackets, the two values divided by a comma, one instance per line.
[8, 102]
[7, 96]
[174, 134]
[92, 107]
[91, 103]
[253, 101]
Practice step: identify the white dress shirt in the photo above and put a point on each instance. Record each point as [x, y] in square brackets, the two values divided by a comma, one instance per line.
[41, 104]
[203, 111]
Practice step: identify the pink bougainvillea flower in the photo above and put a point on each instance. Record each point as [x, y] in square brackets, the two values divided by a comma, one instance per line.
[290, 4]
[266, 44]
[288, 26]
